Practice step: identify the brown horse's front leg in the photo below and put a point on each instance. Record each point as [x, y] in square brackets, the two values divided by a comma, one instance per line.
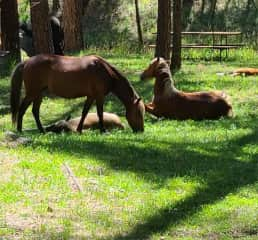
[85, 111]
[150, 108]
[35, 111]
[100, 103]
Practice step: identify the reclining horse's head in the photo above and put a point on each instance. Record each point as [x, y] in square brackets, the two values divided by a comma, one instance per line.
[151, 70]
[135, 115]
[60, 126]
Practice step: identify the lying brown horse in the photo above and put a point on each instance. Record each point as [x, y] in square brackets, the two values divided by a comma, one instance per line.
[110, 121]
[245, 71]
[72, 77]
[171, 103]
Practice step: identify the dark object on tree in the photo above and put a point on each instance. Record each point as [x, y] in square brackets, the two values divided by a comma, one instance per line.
[56, 7]
[176, 40]
[72, 14]
[26, 38]
[57, 35]
[110, 121]
[10, 28]
[163, 40]
[41, 30]
[171, 103]
[72, 77]
[138, 22]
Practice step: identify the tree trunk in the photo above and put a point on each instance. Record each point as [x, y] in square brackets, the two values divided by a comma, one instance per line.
[41, 30]
[202, 7]
[212, 13]
[10, 28]
[187, 8]
[138, 22]
[72, 13]
[163, 40]
[176, 51]
[85, 5]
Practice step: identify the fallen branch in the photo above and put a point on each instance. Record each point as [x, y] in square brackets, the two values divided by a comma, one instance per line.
[75, 185]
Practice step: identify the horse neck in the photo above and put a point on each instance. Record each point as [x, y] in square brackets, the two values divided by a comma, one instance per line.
[164, 84]
[121, 87]
[124, 91]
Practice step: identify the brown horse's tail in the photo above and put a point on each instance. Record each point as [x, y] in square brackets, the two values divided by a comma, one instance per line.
[16, 85]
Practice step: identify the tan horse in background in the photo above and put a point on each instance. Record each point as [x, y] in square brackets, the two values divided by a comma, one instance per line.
[171, 103]
[72, 77]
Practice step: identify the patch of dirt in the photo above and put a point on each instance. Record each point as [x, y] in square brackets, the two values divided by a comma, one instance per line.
[6, 166]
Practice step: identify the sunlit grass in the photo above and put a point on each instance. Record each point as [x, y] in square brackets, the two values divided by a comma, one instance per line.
[177, 180]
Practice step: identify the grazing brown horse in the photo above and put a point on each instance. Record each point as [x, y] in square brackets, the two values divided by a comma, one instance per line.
[171, 103]
[72, 77]
[110, 121]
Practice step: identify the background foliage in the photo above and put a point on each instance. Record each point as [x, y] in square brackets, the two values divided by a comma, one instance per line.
[112, 22]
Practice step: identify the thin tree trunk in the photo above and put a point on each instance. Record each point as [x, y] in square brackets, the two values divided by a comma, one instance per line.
[176, 51]
[85, 6]
[212, 13]
[10, 28]
[227, 5]
[41, 30]
[163, 40]
[203, 7]
[72, 14]
[138, 22]
[187, 8]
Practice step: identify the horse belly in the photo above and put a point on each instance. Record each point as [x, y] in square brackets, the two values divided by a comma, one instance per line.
[69, 87]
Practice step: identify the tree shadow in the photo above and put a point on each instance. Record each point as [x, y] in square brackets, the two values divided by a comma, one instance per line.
[215, 163]
[219, 183]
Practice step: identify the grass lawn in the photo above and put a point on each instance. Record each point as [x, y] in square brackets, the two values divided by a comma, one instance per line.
[177, 180]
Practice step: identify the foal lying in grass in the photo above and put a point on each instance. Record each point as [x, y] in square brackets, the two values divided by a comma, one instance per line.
[110, 121]
[171, 103]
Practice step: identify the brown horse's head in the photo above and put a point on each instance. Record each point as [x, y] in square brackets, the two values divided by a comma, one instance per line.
[135, 115]
[151, 70]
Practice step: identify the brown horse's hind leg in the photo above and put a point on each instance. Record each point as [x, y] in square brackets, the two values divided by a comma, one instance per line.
[22, 109]
[35, 111]
[100, 103]
[85, 111]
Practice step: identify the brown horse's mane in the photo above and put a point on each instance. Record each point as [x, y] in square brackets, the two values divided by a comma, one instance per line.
[121, 83]
[163, 77]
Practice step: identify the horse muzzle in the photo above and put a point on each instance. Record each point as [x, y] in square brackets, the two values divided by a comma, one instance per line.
[142, 76]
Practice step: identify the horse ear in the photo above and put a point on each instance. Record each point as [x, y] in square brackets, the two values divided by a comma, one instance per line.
[68, 118]
[137, 101]
[168, 62]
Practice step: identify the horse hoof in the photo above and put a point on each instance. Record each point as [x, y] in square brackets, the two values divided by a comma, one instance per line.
[103, 130]
[79, 131]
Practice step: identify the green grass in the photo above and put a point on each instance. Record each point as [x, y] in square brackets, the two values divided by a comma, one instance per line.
[177, 180]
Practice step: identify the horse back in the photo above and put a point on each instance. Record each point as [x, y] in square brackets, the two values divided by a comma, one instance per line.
[68, 77]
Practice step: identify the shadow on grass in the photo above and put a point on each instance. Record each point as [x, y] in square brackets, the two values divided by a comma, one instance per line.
[223, 166]
[233, 175]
